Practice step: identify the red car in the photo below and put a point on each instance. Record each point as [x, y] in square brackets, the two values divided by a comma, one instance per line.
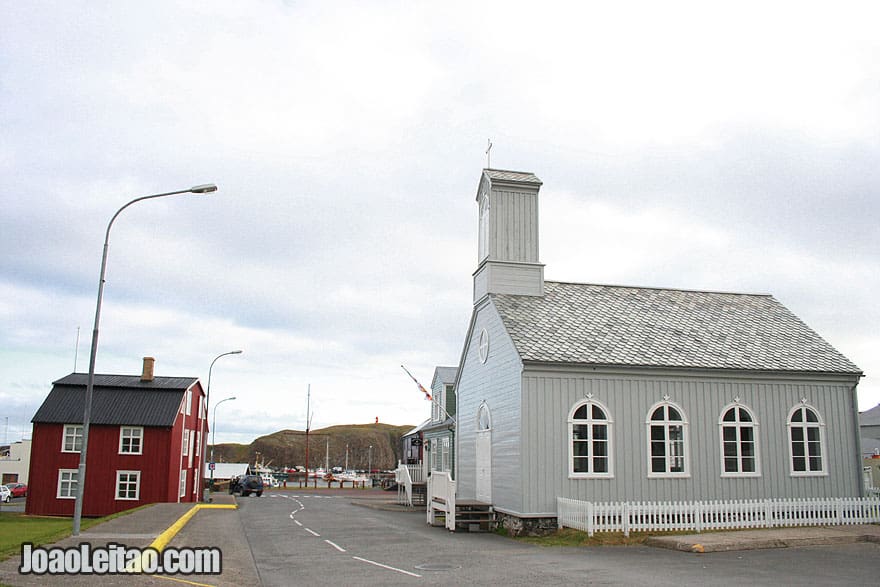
[18, 489]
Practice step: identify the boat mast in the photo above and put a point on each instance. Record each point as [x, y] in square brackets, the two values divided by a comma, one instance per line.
[308, 423]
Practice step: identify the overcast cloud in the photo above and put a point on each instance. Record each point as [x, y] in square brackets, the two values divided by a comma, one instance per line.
[681, 144]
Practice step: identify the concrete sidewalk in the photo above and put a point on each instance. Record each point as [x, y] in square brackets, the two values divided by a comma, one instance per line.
[220, 528]
[768, 538]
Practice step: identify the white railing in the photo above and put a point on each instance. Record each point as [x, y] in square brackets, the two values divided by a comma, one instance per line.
[629, 517]
[404, 484]
[416, 473]
[405, 476]
[441, 499]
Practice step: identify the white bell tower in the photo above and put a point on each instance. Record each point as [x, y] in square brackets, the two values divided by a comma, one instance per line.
[508, 235]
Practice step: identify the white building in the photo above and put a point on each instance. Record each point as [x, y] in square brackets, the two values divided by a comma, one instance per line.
[608, 393]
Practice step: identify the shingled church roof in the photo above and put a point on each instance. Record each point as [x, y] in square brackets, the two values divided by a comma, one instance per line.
[640, 326]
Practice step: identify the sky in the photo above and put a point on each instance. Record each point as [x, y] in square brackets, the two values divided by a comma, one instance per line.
[710, 146]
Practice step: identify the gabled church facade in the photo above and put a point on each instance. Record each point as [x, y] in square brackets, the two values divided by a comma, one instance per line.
[607, 393]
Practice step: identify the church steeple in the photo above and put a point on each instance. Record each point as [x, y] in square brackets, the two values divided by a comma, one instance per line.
[507, 251]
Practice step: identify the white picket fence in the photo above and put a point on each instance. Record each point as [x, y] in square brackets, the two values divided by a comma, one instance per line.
[629, 517]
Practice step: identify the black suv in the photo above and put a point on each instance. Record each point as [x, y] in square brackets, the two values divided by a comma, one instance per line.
[246, 485]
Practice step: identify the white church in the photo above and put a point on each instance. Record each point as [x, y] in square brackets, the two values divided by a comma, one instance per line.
[615, 393]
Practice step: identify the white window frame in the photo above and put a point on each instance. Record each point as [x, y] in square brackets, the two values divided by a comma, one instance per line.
[444, 454]
[436, 412]
[70, 483]
[128, 481]
[188, 400]
[804, 426]
[182, 491]
[738, 426]
[484, 425]
[73, 431]
[130, 436]
[589, 422]
[485, 207]
[185, 442]
[198, 443]
[669, 455]
[483, 346]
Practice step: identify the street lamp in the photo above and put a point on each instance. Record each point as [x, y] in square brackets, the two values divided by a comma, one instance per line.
[370, 465]
[214, 433]
[208, 403]
[90, 385]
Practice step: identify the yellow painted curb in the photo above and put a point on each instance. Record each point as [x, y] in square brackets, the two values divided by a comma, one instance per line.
[165, 537]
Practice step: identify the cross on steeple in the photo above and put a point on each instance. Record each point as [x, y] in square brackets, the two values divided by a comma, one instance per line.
[489, 155]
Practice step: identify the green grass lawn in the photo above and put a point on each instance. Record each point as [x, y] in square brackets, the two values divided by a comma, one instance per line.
[16, 529]
[570, 537]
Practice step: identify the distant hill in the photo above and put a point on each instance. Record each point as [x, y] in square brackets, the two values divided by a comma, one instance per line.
[287, 448]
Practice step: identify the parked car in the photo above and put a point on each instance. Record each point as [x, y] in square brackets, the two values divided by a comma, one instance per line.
[246, 484]
[18, 489]
[5, 494]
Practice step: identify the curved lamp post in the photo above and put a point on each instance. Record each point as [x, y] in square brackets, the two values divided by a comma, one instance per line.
[208, 404]
[214, 432]
[90, 385]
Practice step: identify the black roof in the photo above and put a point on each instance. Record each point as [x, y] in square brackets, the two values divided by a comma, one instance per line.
[116, 400]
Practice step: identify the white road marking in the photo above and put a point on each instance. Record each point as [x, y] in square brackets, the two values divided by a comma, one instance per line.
[297, 522]
[334, 545]
[385, 566]
[312, 532]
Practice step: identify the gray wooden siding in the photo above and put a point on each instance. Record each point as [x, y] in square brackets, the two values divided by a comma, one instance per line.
[872, 431]
[498, 383]
[548, 397]
[513, 226]
[508, 278]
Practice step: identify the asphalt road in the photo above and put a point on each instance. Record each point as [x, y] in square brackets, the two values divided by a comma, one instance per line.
[16, 504]
[302, 539]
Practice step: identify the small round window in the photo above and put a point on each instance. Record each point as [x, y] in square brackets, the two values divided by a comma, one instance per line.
[484, 346]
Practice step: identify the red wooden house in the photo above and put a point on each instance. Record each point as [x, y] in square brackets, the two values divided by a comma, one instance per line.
[145, 443]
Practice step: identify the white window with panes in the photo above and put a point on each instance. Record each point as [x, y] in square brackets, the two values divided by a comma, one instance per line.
[806, 441]
[667, 441]
[589, 433]
[182, 492]
[67, 482]
[444, 454]
[131, 440]
[739, 444]
[437, 401]
[185, 442]
[72, 439]
[128, 485]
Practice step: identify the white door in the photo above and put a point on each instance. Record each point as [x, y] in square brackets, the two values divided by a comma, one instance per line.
[484, 466]
[483, 459]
